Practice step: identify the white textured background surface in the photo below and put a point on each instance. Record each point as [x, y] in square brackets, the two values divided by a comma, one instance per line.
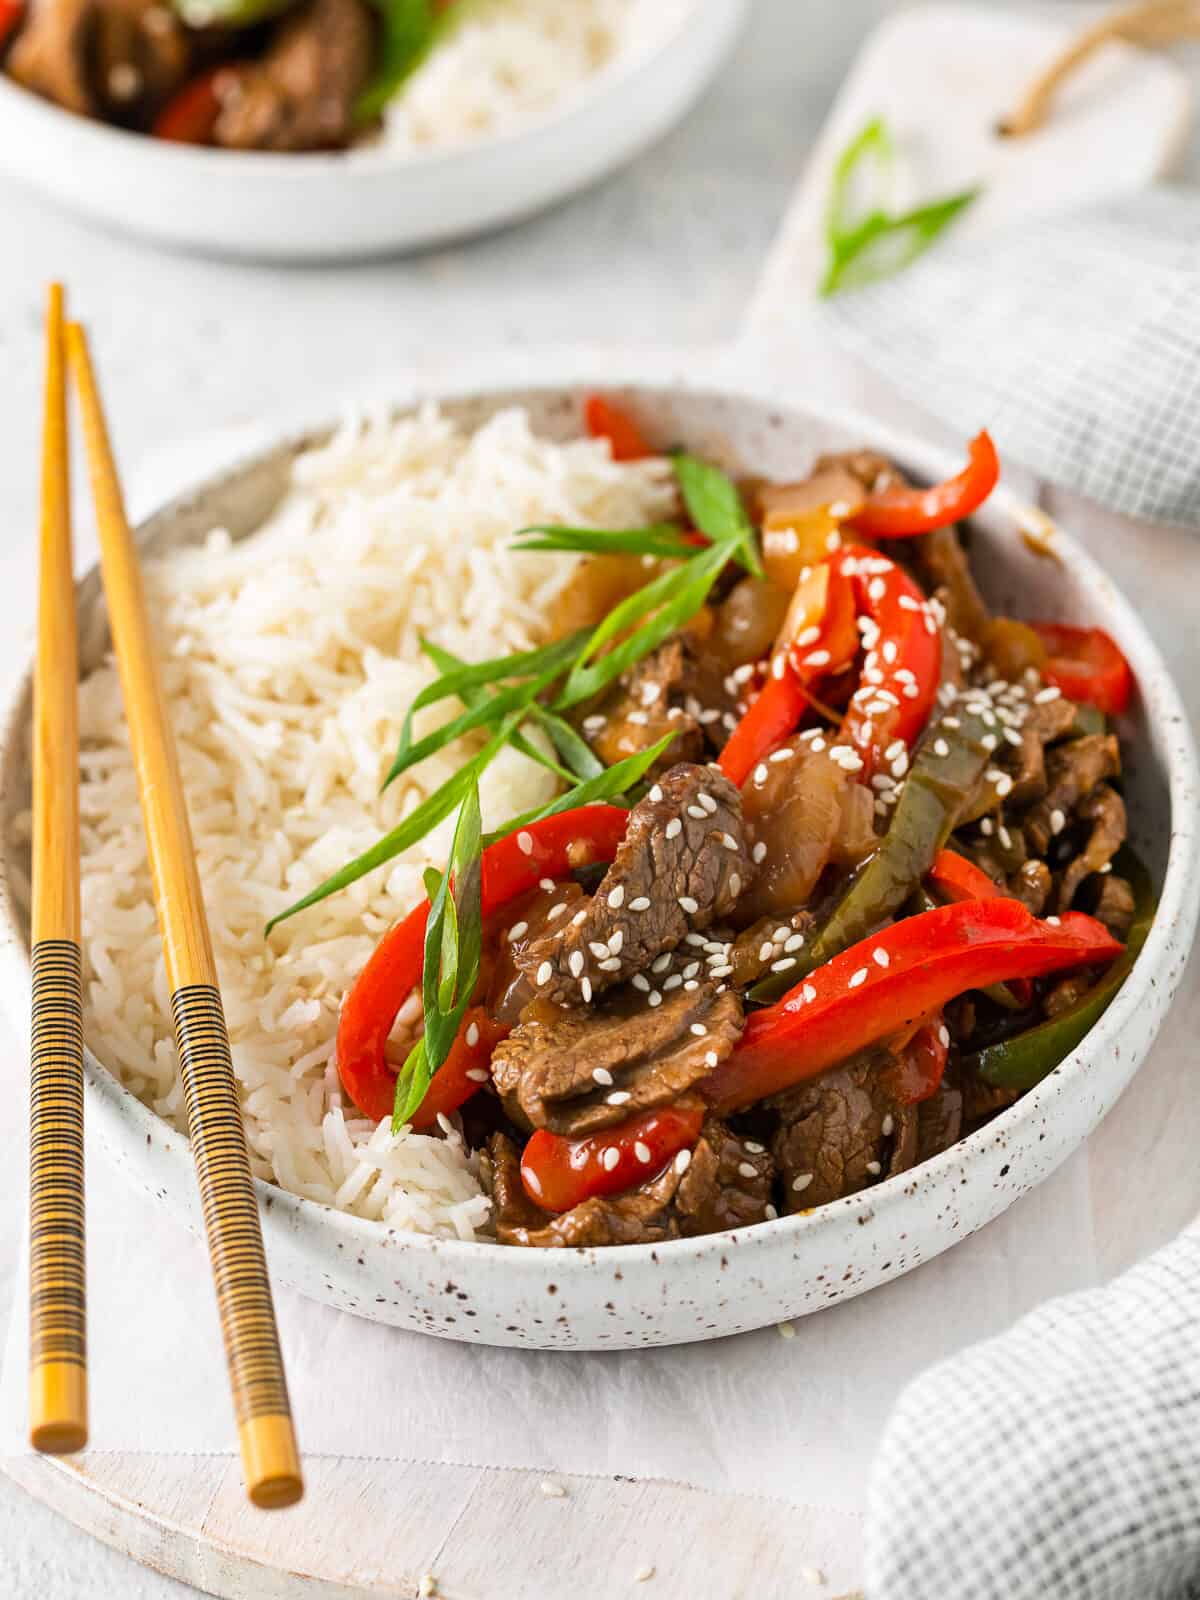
[668, 251]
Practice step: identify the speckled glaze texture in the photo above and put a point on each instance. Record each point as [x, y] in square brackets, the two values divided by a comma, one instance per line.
[723, 1284]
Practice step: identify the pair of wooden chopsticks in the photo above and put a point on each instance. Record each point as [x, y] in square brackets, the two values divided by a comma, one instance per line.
[58, 1355]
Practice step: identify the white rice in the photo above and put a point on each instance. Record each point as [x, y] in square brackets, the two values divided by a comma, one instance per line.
[290, 659]
[507, 63]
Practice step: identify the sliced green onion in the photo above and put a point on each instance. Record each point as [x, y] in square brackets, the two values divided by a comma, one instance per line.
[663, 539]
[716, 508]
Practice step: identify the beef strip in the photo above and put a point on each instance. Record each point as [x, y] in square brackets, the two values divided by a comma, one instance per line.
[939, 1121]
[725, 1182]
[301, 95]
[1072, 771]
[115, 59]
[1066, 993]
[1044, 724]
[1031, 884]
[682, 865]
[510, 987]
[643, 707]
[840, 1132]
[943, 565]
[1105, 810]
[982, 1101]
[578, 1071]
[1116, 906]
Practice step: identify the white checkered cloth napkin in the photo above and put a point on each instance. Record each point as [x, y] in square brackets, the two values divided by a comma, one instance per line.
[1060, 1461]
[1075, 340]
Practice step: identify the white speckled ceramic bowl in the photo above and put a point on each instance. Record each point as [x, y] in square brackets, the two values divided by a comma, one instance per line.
[369, 200]
[722, 1284]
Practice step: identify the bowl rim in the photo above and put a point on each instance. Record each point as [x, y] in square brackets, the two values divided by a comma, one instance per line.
[374, 159]
[558, 372]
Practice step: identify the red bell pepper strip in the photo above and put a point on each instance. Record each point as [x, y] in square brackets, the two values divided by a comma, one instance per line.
[604, 420]
[11, 12]
[956, 878]
[899, 513]
[877, 987]
[190, 116]
[822, 616]
[512, 866]
[1086, 665]
[463, 1072]
[559, 1173]
[919, 1066]
[903, 664]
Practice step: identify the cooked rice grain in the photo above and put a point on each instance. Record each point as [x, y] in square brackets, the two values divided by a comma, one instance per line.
[290, 659]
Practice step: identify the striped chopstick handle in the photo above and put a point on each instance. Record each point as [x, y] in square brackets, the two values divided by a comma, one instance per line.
[231, 1224]
[57, 1304]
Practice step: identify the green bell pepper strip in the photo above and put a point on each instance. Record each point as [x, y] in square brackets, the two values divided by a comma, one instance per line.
[945, 770]
[1026, 1058]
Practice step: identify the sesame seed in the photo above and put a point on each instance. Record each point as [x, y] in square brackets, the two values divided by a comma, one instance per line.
[609, 1157]
[477, 1074]
[760, 772]
[618, 1097]
[473, 1035]
[876, 589]
[1004, 785]
[910, 691]
[603, 1077]
[1004, 837]
[721, 971]
[809, 636]
[809, 993]
[672, 982]
[640, 1150]
[655, 794]
[689, 905]
[1044, 696]
[1058, 820]
[833, 541]
[655, 999]
[818, 745]
[616, 942]
[616, 898]
[696, 813]
[896, 748]
[638, 718]
[556, 911]
[699, 1030]
[951, 722]
[745, 1170]
[784, 965]
[887, 1126]
[794, 942]
[907, 603]
[735, 884]
[674, 828]
[759, 852]
[1054, 921]
[690, 985]
[641, 903]
[943, 1034]
[612, 964]
[800, 1183]
[544, 973]
[683, 1161]
[940, 747]
[874, 1168]
[1107, 867]
[517, 931]
[598, 948]
[859, 977]
[817, 658]
[585, 989]
[594, 724]
[575, 962]
[766, 950]
[785, 754]
[880, 956]
[530, 1177]
[989, 742]
[707, 802]
[643, 1574]
[640, 981]
[1012, 736]
[525, 842]
[711, 1058]
[578, 918]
